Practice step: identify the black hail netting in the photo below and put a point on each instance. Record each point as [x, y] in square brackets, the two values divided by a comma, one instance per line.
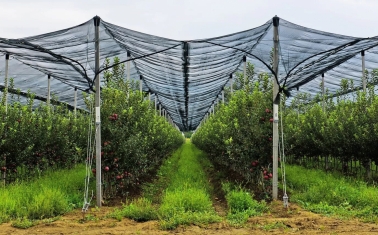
[187, 77]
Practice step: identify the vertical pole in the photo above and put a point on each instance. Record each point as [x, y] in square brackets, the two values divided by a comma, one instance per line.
[245, 70]
[149, 96]
[363, 71]
[98, 120]
[160, 109]
[128, 66]
[223, 96]
[155, 102]
[48, 89]
[6, 82]
[141, 85]
[323, 93]
[75, 101]
[128, 73]
[6, 104]
[231, 89]
[275, 108]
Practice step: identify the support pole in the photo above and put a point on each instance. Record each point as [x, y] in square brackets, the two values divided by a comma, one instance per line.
[363, 71]
[275, 108]
[140, 84]
[6, 83]
[6, 105]
[323, 93]
[231, 89]
[98, 120]
[160, 109]
[155, 102]
[75, 101]
[245, 70]
[223, 96]
[128, 66]
[48, 89]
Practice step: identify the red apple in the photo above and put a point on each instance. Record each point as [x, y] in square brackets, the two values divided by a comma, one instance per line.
[270, 175]
[94, 171]
[267, 110]
[106, 168]
[266, 177]
[271, 120]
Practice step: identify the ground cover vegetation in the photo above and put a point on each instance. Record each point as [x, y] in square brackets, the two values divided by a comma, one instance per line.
[181, 195]
[332, 194]
[47, 196]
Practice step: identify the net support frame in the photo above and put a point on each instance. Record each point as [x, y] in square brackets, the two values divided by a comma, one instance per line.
[75, 100]
[98, 118]
[363, 71]
[245, 70]
[231, 84]
[48, 89]
[323, 93]
[275, 108]
[6, 83]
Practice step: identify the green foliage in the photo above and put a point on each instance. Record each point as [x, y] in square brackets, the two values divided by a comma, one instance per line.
[33, 141]
[135, 138]
[51, 195]
[23, 223]
[239, 135]
[346, 129]
[241, 205]
[140, 209]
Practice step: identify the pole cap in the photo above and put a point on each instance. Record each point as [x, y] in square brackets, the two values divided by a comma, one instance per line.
[276, 21]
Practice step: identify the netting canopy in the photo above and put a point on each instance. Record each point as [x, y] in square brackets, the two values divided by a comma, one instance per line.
[186, 77]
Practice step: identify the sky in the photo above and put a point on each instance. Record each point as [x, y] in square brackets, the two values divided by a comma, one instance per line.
[189, 19]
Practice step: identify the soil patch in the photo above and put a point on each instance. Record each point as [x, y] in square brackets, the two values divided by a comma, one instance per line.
[294, 220]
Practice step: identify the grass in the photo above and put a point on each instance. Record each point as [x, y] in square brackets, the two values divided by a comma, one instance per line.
[186, 198]
[241, 205]
[48, 196]
[332, 194]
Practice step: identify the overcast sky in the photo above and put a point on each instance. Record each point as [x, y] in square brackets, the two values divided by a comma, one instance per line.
[189, 19]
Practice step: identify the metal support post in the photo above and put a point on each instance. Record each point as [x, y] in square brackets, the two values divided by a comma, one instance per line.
[275, 108]
[128, 66]
[48, 89]
[6, 82]
[363, 71]
[245, 70]
[97, 113]
[323, 93]
[75, 101]
[231, 84]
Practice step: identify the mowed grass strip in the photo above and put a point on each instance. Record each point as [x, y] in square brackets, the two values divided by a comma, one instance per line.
[187, 198]
[51, 195]
[332, 194]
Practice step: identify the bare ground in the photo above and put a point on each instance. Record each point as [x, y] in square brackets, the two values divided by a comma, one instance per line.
[278, 221]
